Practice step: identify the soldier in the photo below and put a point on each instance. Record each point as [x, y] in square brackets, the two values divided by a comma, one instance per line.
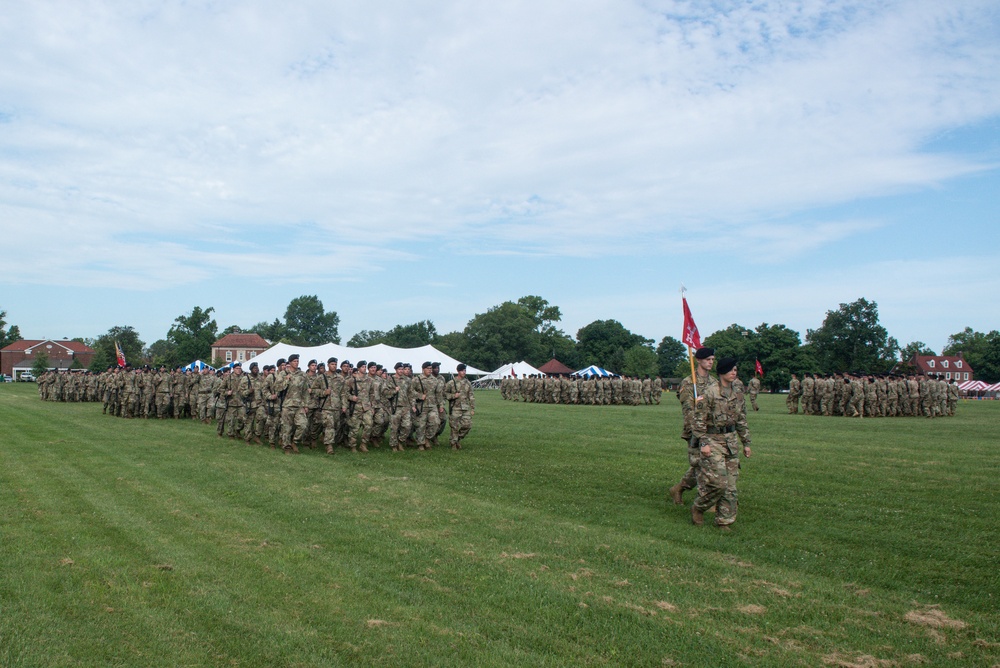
[331, 404]
[361, 417]
[794, 392]
[424, 407]
[238, 391]
[461, 406]
[686, 394]
[295, 406]
[753, 388]
[719, 419]
[256, 408]
[399, 406]
[657, 389]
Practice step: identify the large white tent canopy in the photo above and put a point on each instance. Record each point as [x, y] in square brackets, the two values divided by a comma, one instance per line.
[512, 370]
[380, 353]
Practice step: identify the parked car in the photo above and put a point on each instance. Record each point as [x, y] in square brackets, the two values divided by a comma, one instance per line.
[27, 376]
[6, 379]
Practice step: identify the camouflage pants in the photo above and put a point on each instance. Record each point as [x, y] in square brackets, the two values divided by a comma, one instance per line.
[400, 423]
[294, 423]
[461, 424]
[360, 425]
[380, 424]
[163, 406]
[257, 421]
[235, 420]
[717, 476]
[331, 423]
[426, 424]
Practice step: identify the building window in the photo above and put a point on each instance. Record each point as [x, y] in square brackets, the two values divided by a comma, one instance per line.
[229, 355]
[930, 363]
[240, 355]
[958, 364]
[944, 363]
[966, 376]
[253, 353]
[947, 376]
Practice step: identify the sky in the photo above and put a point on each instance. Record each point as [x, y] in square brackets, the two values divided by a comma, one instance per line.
[428, 161]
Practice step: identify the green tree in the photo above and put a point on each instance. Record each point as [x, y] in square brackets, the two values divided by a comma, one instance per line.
[505, 333]
[366, 338]
[275, 332]
[104, 346]
[454, 344]
[604, 342]
[669, 354]
[640, 360]
[915, 348]
[8, 336]
[989, 369]
[192, 336]
[851, 339]
[552, 341]
[163, 352]
[309, 324]
[973, 346]
[40, 365]
[411, 336]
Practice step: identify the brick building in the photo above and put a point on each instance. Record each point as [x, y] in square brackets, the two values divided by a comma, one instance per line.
[239, 347]
[947, 366]
[21, 355]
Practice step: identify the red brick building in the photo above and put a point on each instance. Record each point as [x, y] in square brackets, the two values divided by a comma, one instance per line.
[947, 366]
[21, 355]
[239, 347]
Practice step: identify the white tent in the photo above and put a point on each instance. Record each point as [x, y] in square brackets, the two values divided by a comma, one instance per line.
[518, 369]
[385, 355]
[198, 365]
[594, 370]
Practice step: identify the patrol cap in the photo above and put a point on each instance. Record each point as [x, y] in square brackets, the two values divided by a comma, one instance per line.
[726, 364]
[704, 353]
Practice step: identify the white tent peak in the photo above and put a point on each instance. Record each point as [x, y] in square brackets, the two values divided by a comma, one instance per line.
[380, 353]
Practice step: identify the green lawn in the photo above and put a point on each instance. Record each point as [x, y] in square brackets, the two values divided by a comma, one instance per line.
[546, 541]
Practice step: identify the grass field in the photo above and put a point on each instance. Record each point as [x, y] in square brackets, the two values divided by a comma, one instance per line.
[547, 541]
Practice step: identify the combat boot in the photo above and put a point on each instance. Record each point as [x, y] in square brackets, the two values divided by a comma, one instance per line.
[677, 494]
[697, 517]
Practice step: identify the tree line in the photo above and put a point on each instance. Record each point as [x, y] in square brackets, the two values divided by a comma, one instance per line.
[850, 338]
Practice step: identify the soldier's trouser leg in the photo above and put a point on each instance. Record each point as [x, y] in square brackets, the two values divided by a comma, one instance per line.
[690, 478]
[461, 424]
[236, 421]
[431, 426]
[293, 427]
[713, 479]
[331, 423]
[753, 402]
[400, 425]
[420, 427]
[726, 509]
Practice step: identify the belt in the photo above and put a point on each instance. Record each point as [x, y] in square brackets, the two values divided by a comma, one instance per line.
[721, 430]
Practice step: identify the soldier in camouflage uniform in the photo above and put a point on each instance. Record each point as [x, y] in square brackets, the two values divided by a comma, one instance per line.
[461, 406]
[720, 418]
[705, 359]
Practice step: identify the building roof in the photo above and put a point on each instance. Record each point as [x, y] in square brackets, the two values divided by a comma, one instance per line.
[935, 364]
[554, 367]
[251, 340]
[24, 345]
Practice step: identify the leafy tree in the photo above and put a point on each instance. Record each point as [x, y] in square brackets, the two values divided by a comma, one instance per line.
[104, 346]
[366, 338]
[8, 336]
[411, 336]
[232, 329]
[604, 342]
[915, 348]
[640, 360]
[552, 341]
[669, 354]
[41, 364]
[505, 333]
[454, 344]
[309, 324]
[540, 311]
[274, 332]
[733, 341]
[989, 369]
[163, 352]
[192, 336]
[973, 346]
[851, 339]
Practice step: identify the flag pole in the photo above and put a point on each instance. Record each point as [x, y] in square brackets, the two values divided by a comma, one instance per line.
[694, 380]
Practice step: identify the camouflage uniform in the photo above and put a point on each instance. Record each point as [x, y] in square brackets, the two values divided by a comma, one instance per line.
[719, 419]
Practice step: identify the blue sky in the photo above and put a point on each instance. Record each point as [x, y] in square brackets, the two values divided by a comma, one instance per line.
[409, 162]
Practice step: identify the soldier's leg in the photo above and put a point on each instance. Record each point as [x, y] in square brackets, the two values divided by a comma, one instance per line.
[712, 481]
[727, 506]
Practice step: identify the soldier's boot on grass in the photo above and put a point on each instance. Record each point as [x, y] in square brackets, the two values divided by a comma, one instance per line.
[697, 517]
[677, 494]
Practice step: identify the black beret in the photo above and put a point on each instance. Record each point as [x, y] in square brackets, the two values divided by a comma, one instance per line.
[362, 363]
[332, 360]
[282, 361]
[426, 365]
[311, 362]
[345, 363]
[238, 364]
[704, 353]
[399, 365]
[726, 364]
[371, 364]
[253, 364]
[436, 364]
[293, 357]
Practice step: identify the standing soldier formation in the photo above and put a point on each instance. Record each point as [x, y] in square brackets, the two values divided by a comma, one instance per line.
[586, 390]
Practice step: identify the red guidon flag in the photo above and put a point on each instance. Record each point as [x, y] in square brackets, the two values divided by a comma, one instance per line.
[760, 369]
[119, 355]
[690, 335]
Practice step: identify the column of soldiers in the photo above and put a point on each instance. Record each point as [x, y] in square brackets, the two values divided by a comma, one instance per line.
[863, 395]
[328, 405]
[68, 386]
[589, 390]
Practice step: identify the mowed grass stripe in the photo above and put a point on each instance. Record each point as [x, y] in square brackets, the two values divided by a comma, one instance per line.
[547, 541]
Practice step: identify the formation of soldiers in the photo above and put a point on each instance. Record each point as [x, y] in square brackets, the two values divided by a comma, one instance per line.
[588, 390]
[354, 407]
[861, 395]
[68, 386]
